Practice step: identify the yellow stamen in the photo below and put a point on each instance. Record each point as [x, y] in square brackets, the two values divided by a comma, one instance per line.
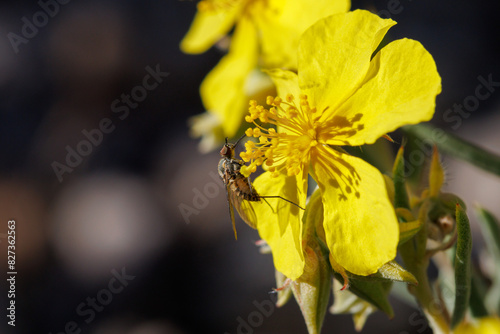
[285, 151]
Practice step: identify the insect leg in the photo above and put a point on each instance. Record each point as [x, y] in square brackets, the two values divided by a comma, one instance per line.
[284, 200]
[250, 185]
[286, 284]
[268, 204]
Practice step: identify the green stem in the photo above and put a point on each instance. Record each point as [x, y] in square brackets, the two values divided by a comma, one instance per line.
[456, 147]
[423, 292]
[413, 253]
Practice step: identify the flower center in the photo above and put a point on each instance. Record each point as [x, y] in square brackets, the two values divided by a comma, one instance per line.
[285, 149]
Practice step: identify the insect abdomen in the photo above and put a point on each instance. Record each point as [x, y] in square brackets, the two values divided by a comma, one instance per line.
[242, 188]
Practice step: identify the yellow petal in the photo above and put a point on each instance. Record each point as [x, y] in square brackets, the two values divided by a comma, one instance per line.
[360, 224]
[280, 223]
[489, 325]
[334, 55]
[283, 22]
[223, 90]
[209, 26]
[400, 88]
[287, 82]
[485, 325]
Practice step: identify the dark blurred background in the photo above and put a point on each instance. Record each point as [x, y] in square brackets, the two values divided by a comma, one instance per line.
[101, 244]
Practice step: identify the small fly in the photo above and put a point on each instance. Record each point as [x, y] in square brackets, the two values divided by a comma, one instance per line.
[239, 188]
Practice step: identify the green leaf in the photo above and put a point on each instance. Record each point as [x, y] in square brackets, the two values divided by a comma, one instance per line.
[398, 174]
[477, 295]
[456, 147]
[374, 292]
[462, 267]
[491, 232]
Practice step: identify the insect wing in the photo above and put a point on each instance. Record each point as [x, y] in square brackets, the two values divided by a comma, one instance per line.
[231, 210]
[245, 209]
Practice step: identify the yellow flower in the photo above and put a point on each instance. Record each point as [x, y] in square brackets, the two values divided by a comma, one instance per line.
[486, 325]
[266, 33]
[279, 24]
[340, 96]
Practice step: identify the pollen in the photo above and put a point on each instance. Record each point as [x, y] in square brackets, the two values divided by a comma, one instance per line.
[285, 150]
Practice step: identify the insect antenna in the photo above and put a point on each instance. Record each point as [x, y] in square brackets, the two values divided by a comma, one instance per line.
[235, 144]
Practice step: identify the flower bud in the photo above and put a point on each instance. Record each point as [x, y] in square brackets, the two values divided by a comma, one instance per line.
[312, 289]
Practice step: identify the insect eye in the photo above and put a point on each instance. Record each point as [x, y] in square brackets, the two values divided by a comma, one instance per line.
[223, 151]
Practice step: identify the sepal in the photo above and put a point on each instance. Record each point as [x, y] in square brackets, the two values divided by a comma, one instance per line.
[346, 302]
[312, 289]
[284, 290]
